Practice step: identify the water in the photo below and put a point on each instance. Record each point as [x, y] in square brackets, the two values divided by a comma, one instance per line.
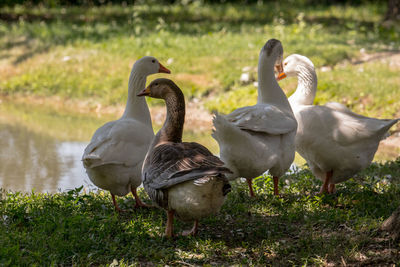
[41, 148]
[33, 161]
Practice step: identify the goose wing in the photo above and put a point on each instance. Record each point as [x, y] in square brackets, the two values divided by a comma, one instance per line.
[336, 122]
[172, 163]
[263, 118]
[119, 142]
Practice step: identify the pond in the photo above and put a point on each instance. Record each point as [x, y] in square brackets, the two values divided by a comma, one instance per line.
[41, 148]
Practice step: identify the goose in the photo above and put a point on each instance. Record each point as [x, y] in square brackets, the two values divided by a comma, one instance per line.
[336, 142]
[113, 159]
[258, 138]
[184, 178]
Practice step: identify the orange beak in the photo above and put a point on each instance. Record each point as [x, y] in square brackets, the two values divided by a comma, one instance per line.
[163, 69]
[281, 76]
[145, 91]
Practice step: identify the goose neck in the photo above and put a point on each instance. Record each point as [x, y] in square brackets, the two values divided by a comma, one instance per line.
[136, 107]
[172, 129]
[269, 90]
[306, 88]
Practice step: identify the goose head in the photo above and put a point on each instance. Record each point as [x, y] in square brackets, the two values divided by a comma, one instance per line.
[294, 65]
[150, 65]
[161, 88]
[272, 51]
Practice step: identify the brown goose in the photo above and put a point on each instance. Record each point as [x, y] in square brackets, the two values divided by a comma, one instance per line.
[184, 178]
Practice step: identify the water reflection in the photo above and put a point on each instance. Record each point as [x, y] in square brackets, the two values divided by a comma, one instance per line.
[30, 160]
[41, 148]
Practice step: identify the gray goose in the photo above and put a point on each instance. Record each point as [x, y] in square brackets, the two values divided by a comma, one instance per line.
[184, 178]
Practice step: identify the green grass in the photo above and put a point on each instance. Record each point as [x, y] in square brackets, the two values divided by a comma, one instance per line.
[300, 228]
[86, 53]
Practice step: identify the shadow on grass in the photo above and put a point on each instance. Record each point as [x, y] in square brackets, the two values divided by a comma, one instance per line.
[59, 26]
[74, 228]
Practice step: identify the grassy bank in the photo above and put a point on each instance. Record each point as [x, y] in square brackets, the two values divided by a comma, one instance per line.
[86, 53]
[300, 228]
[78, 59]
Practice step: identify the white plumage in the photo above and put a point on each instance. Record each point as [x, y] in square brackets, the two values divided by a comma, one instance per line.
[336, 142]
[114, 157]
[258, 138]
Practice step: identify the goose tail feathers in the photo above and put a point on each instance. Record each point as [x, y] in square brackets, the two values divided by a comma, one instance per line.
[385, 128]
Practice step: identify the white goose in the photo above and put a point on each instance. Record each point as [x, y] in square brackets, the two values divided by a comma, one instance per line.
[258, 138]
[114, 157]
[335, 142]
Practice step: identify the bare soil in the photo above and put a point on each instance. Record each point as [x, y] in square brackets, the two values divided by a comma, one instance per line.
[197, 118]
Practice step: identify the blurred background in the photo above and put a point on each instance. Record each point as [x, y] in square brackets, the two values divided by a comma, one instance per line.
[64, 68]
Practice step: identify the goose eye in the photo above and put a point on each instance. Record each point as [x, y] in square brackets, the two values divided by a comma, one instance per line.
[154, 61]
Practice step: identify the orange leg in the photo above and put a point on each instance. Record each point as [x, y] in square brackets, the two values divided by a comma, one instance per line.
[324, 188]
[116, 204]
[332, 188]
[139, 203]
[194, 230]
[169, 230]
[249, 182]
[276, 188]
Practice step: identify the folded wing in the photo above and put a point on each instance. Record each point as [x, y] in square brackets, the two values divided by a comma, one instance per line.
[263, 118]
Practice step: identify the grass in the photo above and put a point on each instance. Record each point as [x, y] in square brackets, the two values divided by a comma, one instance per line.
[77, 60]
[299, 228]
[86, 53]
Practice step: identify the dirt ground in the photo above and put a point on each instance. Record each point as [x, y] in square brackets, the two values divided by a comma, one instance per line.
[198, 118]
